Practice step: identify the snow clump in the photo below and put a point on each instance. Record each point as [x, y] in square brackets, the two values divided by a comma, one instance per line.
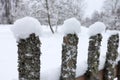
[72, 26]
[96, 28]
[22, 28]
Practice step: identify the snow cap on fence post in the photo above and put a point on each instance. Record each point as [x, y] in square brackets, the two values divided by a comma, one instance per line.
[27, 31]
[96, 28]
[69, 49]
[95, 39]
[23, 27]
[72, 26]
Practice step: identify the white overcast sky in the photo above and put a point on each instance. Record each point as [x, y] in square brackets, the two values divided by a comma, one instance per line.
[93, 5]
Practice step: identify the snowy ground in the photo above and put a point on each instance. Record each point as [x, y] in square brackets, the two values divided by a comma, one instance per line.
[51, 53]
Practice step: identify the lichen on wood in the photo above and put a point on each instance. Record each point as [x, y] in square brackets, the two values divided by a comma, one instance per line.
[29, 58]
[93, 57]
[111, 55]
[69, 57]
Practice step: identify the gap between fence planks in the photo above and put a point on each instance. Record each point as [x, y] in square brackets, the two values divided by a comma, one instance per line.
[100, 75]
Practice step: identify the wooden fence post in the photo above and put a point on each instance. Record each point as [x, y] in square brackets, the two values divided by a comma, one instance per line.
[93, 57]
[118, 70]
[69, 57]
[29, 58]
[111, 55]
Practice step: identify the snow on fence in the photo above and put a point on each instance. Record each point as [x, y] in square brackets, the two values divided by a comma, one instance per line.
[111, 57]
[93, 57]
[69, 57]
[110, 70]
[69, 49]
[29, 52]
[29, 58]
[26, 31]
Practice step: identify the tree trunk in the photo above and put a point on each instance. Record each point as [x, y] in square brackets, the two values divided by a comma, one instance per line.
[93, 57]
[6, 14]
[29, 58]
[69, 57]
[111, 55]
[48, 15]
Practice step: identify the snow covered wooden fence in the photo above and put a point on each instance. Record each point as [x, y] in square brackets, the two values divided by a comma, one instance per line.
[29, 52]
[29, 58]
[69, 57]
[27, 31]
[93, 57]
[110, 70]
[69, 49]
[111, 57]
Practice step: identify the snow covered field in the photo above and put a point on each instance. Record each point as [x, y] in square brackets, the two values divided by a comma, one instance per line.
[51, 53]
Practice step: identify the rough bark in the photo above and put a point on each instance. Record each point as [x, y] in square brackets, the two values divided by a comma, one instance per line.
[69, 57]
[111, 55]
[93, 57]
[118, 70]
[29, 58]
[48, 15]
[6, 14]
